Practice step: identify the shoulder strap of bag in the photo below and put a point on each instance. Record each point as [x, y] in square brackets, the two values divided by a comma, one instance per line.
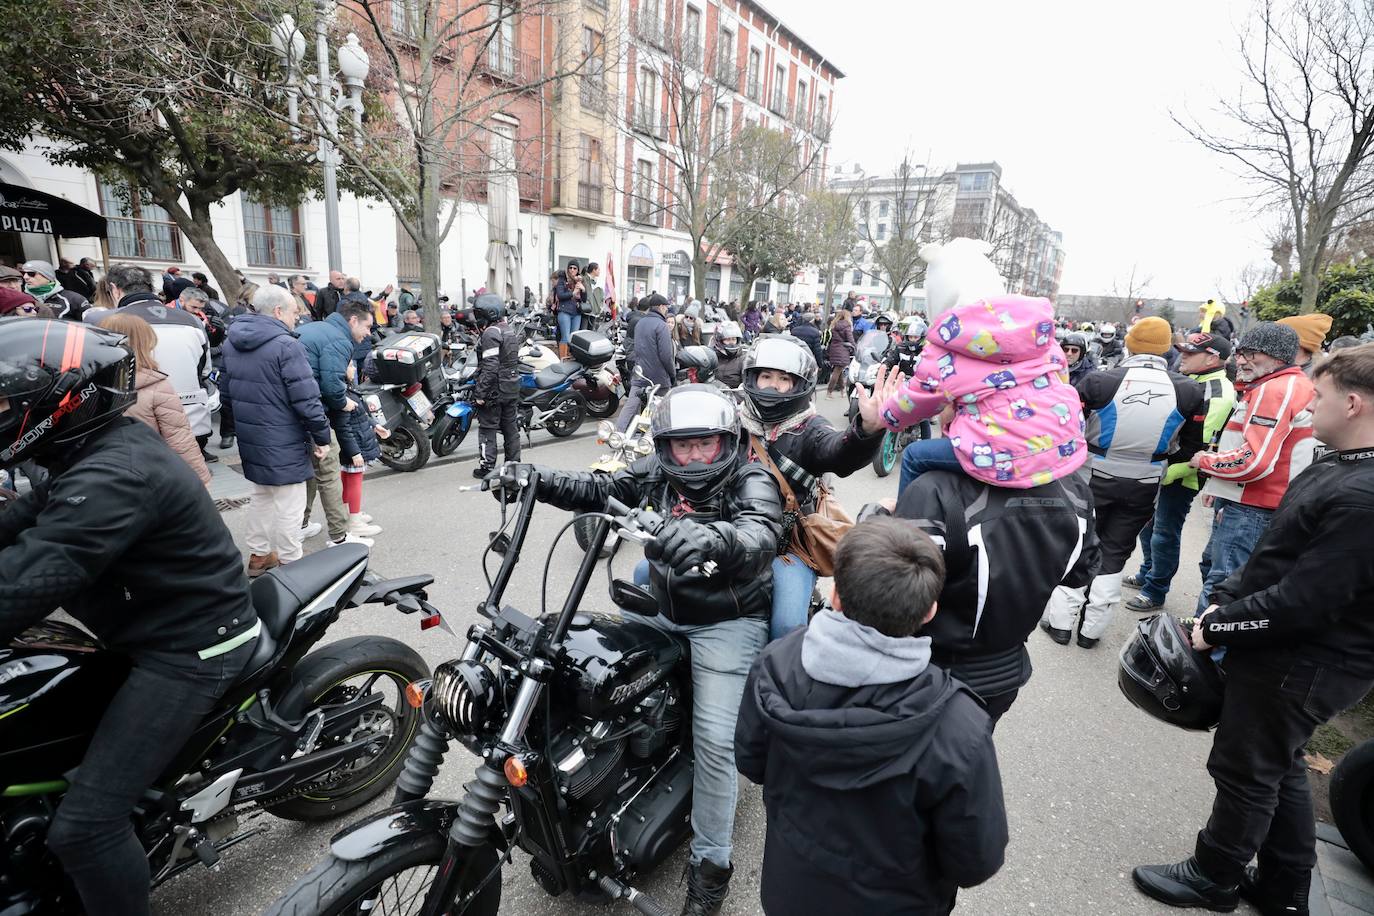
[789, 498]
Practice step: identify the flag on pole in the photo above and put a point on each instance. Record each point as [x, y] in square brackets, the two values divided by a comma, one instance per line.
[610, 278]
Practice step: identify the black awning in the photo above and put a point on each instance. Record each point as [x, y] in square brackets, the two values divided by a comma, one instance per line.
[27, 210]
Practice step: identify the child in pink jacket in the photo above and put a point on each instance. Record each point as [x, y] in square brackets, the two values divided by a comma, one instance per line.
[1017, 421]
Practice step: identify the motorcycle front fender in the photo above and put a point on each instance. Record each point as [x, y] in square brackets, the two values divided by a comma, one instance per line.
[396, 825]
[461, 409]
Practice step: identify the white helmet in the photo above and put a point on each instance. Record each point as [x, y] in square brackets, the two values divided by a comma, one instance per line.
[1106, 330]
[914, 326]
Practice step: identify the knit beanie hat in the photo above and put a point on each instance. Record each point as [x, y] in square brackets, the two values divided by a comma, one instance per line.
[1150, 335]
[1311, 329]
[1277, 340]
[11, 299]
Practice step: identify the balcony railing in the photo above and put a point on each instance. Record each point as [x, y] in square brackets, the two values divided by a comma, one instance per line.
[691, 51]
[754, 89]
[592, 96]
[531, 185]
[820, 126]
[592, 197]
[727, 72]
[507, 63]
[650, 29]
[647, 121]
[596, 4]
[802, 117]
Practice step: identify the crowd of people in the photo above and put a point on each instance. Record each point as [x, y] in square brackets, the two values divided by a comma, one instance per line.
[868, 721]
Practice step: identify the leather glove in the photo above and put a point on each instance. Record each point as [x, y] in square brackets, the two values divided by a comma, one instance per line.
[684, 545]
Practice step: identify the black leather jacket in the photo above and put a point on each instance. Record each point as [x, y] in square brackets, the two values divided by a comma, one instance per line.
[747, 515]
[818, 448]
[498, 367]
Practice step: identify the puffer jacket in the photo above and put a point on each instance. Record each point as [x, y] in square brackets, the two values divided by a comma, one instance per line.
[1019, 423]
[160, 408]
[747, 515]
[841, 348]
[276, 403]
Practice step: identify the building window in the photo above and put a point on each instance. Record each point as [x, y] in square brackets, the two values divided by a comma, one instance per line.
[882, 231]
[593, 87]
[646, 102]
[691, 37]
[720, 130]
[882, 208]
[403, 18]
[801, 102]
[761, 290]
[649, 23]
[138, 227]
[501, 50]
[643, 210]
[589, 182]
[863, 209]
[753, 79]
[407, 256]
[820, 122]
[272, 235]
[779, 99]
[975, 181]
[725, 59]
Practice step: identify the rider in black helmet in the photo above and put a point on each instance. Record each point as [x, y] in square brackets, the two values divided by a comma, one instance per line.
[498, 383]
[158, 579]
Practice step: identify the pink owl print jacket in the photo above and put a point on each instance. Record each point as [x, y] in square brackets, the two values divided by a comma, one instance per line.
[1018, 422]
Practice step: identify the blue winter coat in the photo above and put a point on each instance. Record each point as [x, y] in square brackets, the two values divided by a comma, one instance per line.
[329, 348]
[268, 384]
[360, 426]
[654, 350]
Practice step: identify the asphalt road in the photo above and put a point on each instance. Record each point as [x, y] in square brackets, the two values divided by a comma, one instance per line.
[1092, 785]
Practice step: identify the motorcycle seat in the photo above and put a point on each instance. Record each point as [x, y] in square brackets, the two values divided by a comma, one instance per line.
[555, 375]
[282, 593]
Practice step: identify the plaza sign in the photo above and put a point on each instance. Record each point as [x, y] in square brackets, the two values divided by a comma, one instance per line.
[27, 210]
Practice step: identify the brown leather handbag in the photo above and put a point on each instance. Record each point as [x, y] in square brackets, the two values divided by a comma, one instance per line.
[816, 535]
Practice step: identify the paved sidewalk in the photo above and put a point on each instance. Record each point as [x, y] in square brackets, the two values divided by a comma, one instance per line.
[1341, 885]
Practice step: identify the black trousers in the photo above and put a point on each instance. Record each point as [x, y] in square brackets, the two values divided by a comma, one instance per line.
[1273, 703]
[1121, 507]
[149, 720]
[494, 417]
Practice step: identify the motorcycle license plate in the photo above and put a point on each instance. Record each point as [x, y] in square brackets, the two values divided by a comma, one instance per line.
[419, 403]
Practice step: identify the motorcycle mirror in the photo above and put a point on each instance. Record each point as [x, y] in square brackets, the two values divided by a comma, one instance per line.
[631, 597]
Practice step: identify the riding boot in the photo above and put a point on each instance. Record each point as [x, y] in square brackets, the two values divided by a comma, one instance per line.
[562, 351]
[707, 885]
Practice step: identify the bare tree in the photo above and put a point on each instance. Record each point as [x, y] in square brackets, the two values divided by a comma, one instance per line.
[1242, 286]
[694, 167]
[896, 240]
[832, 238]
[1128, 290]
[1303, 126]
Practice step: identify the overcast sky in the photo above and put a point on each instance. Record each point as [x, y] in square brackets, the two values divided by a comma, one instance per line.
[1073, 99]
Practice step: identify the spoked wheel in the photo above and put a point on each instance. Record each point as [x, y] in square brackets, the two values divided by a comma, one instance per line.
[569, 412]
[341, 674]
[393, 882]
[888, 453]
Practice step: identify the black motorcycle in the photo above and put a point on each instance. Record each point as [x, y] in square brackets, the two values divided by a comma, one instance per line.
[580, 723]
[302, 736]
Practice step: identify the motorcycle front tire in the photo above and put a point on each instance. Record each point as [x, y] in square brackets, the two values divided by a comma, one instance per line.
[572, 411]
[336, 887]
[1352, 801]
[888, 454]
[584, 526]
[448, 433]
[397, 452]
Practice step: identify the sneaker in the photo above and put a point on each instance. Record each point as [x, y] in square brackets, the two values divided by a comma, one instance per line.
[365, 518]
[1143, 605]
[310, 529]
[350, 538]
[481, 473]
[363, 529]
[1132, 581]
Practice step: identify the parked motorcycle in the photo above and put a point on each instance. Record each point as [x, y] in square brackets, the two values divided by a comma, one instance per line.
[863, 370]
[410, 381]
[302, 736]
[599, 385]
[457, 411]
[1352, 801]
[579, 721]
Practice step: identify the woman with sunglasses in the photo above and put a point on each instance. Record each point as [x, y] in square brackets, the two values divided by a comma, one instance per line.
[16, 302]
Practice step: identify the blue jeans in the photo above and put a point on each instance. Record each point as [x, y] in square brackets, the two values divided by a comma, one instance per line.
[1160, 539]
[566, 325]
[927, 455]
[792, 586]
[1236, 529]
[721, 656]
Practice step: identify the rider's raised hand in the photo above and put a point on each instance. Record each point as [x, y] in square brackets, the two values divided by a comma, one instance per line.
[886, 385]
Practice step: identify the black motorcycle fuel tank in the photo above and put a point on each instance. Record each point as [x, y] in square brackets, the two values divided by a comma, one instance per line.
[612, 662]
[55, 682]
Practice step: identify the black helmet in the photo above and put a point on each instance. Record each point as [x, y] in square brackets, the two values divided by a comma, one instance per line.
[487, 309]
[1075, 339]
[1164, 675]
[697, 364]
[785, 354]
[63, 380]
[687, 412]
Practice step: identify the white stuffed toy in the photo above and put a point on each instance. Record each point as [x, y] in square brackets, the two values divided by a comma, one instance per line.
[959, 272]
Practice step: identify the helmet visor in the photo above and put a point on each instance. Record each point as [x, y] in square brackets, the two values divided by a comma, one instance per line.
[784, 354]
[693, 411]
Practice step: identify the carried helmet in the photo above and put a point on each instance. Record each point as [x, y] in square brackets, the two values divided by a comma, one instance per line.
[1086, 326]
[487, 309]
[689, 412]
[914, 326]
[728, 330]
[63, 381]
[785, 354]
[697, 364]
[1106, 331]
[889, 317]
[1164, 675]
[1075, 339]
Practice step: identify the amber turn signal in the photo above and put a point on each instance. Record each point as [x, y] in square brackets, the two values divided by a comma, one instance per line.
[416, 691]
[516, 774]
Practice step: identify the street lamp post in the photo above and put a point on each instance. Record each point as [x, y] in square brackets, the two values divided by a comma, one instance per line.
[289, 44]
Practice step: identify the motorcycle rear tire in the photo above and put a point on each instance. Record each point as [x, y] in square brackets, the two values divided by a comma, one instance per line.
[605, 408]
[336, 886]
[402, 438]
[327, 668]
[447, 435]
[1352, 801]
[572, 412]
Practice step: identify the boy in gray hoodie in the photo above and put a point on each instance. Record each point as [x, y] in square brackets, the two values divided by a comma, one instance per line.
[878, 770]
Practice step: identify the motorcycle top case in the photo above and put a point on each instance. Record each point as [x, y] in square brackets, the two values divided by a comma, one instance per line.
[407, 359]
[591, 348]
[55, 682]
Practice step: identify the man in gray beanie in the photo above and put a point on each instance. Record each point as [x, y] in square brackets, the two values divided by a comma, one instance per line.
[1266, 443]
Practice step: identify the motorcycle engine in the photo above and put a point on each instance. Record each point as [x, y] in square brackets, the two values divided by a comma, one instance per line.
[585, 764]
[662, 714]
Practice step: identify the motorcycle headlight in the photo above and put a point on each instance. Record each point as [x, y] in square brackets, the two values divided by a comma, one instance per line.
[616, 440]
[604, 430]
[465, 695]
[645, 446]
